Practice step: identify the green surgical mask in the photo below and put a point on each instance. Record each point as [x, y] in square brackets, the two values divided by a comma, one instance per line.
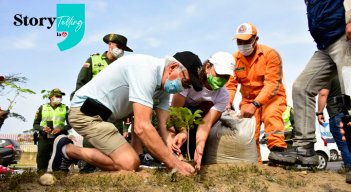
[216, 82]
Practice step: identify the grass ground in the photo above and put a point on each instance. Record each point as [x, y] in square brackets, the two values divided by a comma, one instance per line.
[234, 177]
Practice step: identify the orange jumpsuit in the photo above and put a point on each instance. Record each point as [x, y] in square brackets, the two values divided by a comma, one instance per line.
[261, 80]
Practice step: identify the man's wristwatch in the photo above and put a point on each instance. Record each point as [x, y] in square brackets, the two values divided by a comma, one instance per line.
[257, 105]
[319, 113]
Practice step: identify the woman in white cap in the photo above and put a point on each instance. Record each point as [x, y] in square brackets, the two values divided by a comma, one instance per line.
[212, 100]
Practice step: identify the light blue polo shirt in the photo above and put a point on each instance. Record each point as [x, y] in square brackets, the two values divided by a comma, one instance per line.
[132, 78]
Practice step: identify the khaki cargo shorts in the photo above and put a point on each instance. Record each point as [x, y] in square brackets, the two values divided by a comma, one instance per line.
[103, 135]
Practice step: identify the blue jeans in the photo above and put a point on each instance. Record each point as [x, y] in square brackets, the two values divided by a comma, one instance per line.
[342, 145]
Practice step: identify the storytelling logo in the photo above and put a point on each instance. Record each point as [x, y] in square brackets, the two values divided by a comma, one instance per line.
[70, 23]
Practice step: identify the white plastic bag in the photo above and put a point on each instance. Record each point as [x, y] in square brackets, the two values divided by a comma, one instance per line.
[346, 75]
[231, 140]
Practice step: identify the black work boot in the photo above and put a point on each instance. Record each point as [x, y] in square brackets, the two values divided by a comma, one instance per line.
[281, 156]
[303, 155]
[306, 155]
[348, 177]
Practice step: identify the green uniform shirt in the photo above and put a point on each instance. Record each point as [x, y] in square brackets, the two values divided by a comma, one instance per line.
[38, 119]
[86, 73]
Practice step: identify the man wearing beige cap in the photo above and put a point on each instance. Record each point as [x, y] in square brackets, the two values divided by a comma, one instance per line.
[259, 70]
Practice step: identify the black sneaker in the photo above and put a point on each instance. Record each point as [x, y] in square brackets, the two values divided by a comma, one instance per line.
[147, 161]
[58, 161]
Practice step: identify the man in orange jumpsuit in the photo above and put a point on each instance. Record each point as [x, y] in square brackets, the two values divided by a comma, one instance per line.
[259, 70]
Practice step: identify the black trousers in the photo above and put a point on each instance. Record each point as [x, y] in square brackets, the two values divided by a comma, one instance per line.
[44, 153]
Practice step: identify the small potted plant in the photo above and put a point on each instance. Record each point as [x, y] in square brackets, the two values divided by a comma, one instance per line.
[182, 118]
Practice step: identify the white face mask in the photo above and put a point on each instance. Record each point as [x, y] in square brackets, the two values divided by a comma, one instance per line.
[117, 53]
[246, 49]
[57, 101]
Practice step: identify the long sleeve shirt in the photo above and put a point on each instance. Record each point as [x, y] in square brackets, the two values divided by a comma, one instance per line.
[260, 77]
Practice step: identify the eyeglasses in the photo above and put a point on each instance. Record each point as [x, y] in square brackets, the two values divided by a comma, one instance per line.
[185, 82]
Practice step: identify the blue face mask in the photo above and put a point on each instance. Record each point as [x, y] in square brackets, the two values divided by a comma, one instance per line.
[173, 86]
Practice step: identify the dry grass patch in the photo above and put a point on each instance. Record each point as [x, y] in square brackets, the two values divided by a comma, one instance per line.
[237, 177]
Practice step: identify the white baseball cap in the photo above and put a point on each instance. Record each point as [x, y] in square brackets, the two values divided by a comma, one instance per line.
[223, 63]
[245, 31]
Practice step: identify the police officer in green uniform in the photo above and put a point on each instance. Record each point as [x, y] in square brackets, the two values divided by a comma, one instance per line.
[117, 44]
[50, 121]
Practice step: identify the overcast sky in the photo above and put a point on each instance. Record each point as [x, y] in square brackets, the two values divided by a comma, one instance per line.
[158, 28]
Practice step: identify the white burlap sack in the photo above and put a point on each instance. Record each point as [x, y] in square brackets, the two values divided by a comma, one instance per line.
[231, 140]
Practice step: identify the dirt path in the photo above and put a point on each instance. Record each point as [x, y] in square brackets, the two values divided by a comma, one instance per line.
[238, 177]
